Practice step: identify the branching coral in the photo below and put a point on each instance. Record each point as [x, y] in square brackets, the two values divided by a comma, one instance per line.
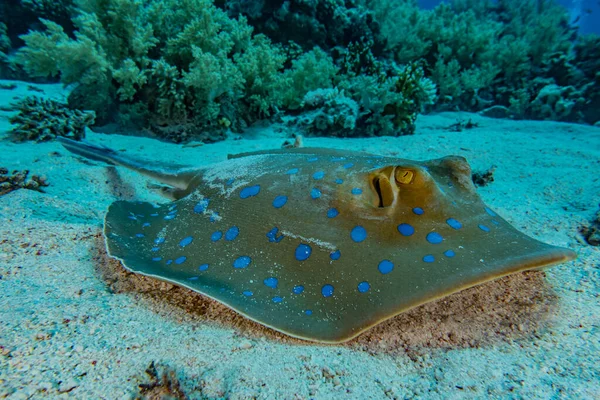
[42, 120]
[369, 105]
[186, 62]
[329, 112]
[477, 52]
[20, 180]
[389, 104]
[324, 23]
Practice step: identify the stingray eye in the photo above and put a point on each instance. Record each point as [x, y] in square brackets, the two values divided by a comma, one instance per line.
[404, 176]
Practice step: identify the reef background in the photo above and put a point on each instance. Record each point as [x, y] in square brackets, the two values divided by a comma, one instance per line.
[74, 324]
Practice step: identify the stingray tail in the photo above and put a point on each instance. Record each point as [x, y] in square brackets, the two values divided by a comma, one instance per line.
[90, 151]
[177, 179]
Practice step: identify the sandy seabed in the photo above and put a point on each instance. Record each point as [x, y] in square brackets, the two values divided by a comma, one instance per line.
[75, 324]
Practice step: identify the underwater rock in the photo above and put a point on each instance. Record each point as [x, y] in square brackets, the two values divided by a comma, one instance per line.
[19, 180]
[44, 119]
[496, 112]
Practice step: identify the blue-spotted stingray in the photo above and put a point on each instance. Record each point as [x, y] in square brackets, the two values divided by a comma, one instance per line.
[319, 244]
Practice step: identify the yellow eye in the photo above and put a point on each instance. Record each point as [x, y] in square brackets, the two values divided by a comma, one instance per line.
[404, 176]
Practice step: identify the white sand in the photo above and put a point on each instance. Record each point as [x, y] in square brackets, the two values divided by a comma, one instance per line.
[69, 328]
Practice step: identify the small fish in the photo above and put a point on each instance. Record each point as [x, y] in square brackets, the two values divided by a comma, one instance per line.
[319, 244]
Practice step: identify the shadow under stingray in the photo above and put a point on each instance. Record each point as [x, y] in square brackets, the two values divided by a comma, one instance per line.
[514, 307]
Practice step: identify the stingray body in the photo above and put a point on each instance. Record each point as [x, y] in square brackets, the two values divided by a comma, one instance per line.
[318, 244]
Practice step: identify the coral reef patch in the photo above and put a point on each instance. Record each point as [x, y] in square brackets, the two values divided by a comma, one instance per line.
[44, 119]
[20, 180]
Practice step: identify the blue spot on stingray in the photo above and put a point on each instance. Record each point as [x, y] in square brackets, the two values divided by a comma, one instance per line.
[429, 258]
[154, 215]
[312, 159]
[349, 165]
[277, 299]
[292, 171]
[339, 181]
[364, 287]
[385, 267]
[335, 255]
[338, 158]
[247, 293]
[229, 182]
[203, 267]
[249, 191]
[169, 262]
[495, 222]
[303, 252]
[216, 236]
[271, 282]
[201, 206]
[232, 233]
[406, 229]
[434, 238]
[173, 211]
[358, 234]
[318, 175]
[490, 212]
[156, 258]
[132, 217]
[242, 262]
[213, 217]
[169, 217]
[454, 223]
[327, 290]
[155, 249]
[356, 191]
[193, 278]
[484, 228]
[145, 224]
[418, 211]
[180, 260]
[332, 213]
[315, 193]
[308, 312]
[272, 235]
[185, 241]
[298, 289]
[139, 235]
[449, 253]
[279, 201]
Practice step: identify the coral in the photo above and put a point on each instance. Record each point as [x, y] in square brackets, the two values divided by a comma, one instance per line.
[369, 105]
[555, 102]
[591, 231]
[461, 125]
[42, 120]
[309, 23]
[389, 105]
[164, 386]
[167, 62]
[5, 44]
[20, 180]
[310, 71]
[330, 112]
[483, 178]
[478, 53]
